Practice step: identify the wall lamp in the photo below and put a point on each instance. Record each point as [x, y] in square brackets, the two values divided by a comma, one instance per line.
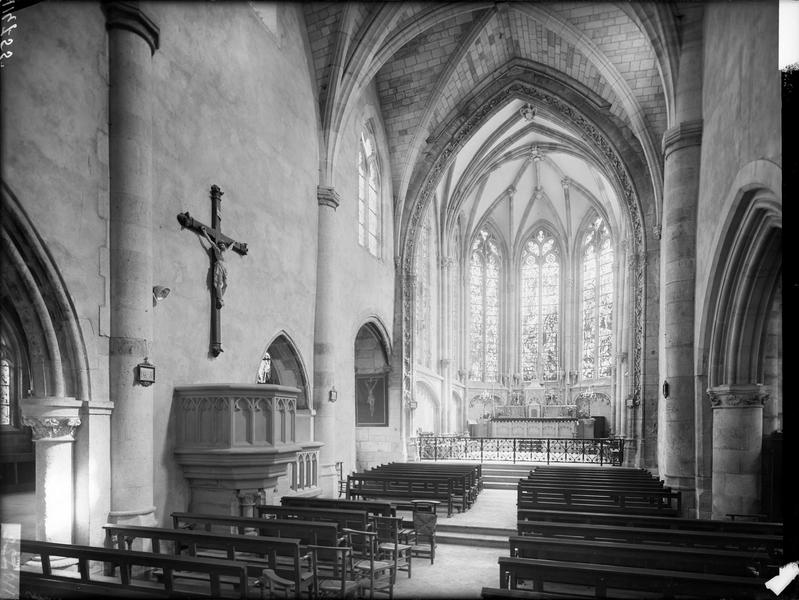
[332, 396]
[159, 293]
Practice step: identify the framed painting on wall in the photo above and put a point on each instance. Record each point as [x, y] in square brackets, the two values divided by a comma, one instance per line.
[371, 400]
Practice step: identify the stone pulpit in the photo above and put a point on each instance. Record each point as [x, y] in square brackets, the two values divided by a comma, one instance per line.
[234, 442]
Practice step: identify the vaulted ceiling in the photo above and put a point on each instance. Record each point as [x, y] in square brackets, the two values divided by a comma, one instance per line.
[431, 61]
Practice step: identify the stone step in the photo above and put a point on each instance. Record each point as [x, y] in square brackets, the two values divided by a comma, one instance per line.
[476, 536]
[500, 485]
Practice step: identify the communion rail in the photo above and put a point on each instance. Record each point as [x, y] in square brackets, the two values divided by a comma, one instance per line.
[601, 451]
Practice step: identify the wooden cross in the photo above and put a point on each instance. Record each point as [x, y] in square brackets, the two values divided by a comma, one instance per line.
[220, 243]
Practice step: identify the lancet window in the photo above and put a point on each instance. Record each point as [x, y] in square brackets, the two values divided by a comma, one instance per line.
[597, 301]
[368, 194]
[540, 307]
[485, 266]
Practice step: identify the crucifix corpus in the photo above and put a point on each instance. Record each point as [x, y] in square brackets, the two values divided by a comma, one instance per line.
[219, 244]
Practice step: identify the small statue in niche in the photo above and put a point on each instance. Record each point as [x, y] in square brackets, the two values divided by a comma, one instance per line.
[220, 269]
[265, 370]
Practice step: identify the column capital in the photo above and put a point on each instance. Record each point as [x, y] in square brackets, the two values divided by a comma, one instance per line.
[327, 196]
[682, 135]
[565, 183]
[55, 429]
[657, 231]
[128, 15]
[746, 395]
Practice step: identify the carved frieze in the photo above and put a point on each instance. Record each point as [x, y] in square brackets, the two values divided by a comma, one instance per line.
[738, 396]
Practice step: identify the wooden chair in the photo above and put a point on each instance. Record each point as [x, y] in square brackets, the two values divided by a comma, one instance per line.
[388, 543]
[378, 574]
[272, 582]
[423, 536]
[334, 579]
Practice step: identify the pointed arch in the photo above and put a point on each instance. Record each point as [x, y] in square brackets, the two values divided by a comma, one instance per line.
[541, 266]
[33, 291]
[486, 274]
[596, 255]
[288, 367]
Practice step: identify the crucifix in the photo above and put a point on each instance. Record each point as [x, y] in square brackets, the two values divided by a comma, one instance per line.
[220, 243]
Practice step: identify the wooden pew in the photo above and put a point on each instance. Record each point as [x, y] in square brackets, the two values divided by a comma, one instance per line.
[373, 507]
[587, 483]
[640, 535]
[215, 578]
[472, 470]
[631, 520]
[464, 487]
[599, 499]
[402, 489]
[284, 555]
[669, 583]
[649, 556]
[308, 532]
[344, 519]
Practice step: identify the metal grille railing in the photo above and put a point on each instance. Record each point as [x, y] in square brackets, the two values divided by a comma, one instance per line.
[601, 451]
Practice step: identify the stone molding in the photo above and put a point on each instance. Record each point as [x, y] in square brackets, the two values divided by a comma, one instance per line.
[682, 135]
[128, 16]
[327, 196]
[738, 396]
[55, 429]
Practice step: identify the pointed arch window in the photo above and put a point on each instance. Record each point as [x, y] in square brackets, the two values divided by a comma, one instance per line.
[597, 300]
[368, 194]
[540, 307]
[485, 264]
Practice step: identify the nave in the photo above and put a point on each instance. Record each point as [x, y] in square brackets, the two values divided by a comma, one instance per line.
[565, 531]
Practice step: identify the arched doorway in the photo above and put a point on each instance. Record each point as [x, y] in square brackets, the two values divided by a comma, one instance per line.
[287, 367]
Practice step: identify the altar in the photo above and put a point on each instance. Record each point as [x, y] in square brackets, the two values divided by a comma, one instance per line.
[541, 427]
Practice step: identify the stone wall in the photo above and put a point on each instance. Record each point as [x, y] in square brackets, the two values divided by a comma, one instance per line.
[235, 105]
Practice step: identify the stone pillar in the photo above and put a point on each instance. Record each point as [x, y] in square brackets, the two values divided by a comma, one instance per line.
[681, 150]
[737, 442]
[132, 39]
[325, 427]
[53, 421]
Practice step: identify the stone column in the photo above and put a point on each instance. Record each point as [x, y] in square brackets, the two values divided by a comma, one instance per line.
[53, 421]
[132, 40]
[681, 150]
[325, 427]
[737, 442]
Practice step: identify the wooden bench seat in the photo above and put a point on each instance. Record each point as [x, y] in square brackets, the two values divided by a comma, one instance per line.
[216, 578]
[344, 519]
[372, 507]
[472, 471]
[647, 501]
[581, 483]
[631, 520]
[283, 555]
[394, 487]
[650, 556]
[640, 535]
[464, 486]
[492, 593]
[308, 532]
[540, 572]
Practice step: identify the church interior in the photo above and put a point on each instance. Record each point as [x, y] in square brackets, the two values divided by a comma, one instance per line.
[258, 250]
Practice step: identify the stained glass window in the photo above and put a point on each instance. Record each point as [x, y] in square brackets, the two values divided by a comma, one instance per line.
[425, 272]
[484, 281]
[5, 392]
[597, 301]
[540, 307]
[368, 195]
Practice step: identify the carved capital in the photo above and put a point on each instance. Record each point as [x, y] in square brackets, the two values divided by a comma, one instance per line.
[738, 396]
[52, 428]
[657, 231]
[327, 196]
[682, 135]
[128, 16]
[511, 190]
[447, 262]
[565, 183]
